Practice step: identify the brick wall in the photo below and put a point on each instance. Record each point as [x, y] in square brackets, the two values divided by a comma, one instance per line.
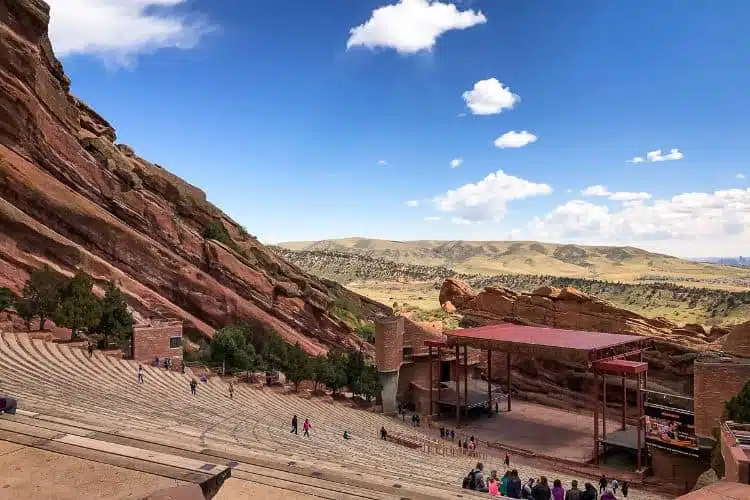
[389, 343]
[679, 469]
[716, 380]
[152, 341]
[736, 462]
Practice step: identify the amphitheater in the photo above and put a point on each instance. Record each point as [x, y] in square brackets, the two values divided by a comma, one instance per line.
[86, 429]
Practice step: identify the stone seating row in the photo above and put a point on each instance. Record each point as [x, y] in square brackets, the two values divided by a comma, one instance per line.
[66, 387]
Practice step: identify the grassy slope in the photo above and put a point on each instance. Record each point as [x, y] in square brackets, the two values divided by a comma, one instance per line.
[619, 264]
[418, 286]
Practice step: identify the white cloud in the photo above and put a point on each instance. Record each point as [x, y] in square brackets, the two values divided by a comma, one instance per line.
[432, 219]
[488, 198]
[489, 97]
[382, 163]
[412, 203]
[119, 30]
[456, 162]
[460, 221]
[658, 155]
[411, 26]
[624, 196]
[515, 139]
[740, 176]
[708, 217]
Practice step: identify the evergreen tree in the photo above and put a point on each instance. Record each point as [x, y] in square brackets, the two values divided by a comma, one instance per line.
[355, 366]
[369, 384]
[737, 408]
[7, 298]
[275, 353]
[336, 373]
[321, 370]
[231, 346]
[116, 321]
[299, 366]
[40, 295]
[79, 308]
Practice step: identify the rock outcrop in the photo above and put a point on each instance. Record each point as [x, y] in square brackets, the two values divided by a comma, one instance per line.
[565, 308]
[72, 198]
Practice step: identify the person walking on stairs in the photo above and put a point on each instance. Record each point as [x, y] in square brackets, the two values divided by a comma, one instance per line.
[603, 484]
[306, 427]
[383, 433]
[91, 349]
[231, 390]
[193, 387]
[140, 374]
[294, 425]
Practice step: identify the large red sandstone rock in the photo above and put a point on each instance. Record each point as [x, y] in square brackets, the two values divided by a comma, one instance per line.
[565, 308]
[72, 198]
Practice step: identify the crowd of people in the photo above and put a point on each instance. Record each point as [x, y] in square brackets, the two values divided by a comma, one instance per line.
[509, 485]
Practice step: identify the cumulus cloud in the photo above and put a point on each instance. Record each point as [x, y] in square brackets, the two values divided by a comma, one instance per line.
[488, 199]
[456, 162]
[119, 30]
[382, 163]
[658, 155]
[412, 203]
[460, 221]
[489, 97]
[688, 216]
[740, 176]
[411, 26]
[625, 196]
[515, 139]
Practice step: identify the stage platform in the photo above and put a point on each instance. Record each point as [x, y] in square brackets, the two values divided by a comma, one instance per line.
[477, 397]
[627, 439]
[536, 428]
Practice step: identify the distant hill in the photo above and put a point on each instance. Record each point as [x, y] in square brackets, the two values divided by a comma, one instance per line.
[608, 263]
[414, 286]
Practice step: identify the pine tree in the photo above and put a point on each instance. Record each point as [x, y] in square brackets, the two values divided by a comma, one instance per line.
[116, 322]
[336, 377]
[321, 370]
[79, 308]
[40, 295]
[275, 353]
[7, 298]
[299, 366]
[737, 408]
[231, 346]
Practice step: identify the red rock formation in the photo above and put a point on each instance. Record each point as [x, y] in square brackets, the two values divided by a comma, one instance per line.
[72, 198]
[565, 308]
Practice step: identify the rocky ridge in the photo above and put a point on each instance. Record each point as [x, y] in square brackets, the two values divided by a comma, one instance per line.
[73, 198]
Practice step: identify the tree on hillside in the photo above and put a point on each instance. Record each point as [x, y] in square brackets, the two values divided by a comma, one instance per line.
[231, 346]
[738, 407]
[368, 384]
[299, 366]
[116, 322]
[355, 366]
[7, 298]
[79, 308]
[275, 353]
[40, 296]
[215, 230]
[336, 372]
[321, 371]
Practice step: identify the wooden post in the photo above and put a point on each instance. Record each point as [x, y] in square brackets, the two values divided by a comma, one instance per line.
[466, 381]
[489, 381]
[596, 420]
[507, 360]
[624, 403]
[458, 391]
[430, 364]
[604, 407]
[640, 421]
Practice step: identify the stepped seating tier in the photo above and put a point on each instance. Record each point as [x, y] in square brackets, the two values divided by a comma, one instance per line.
[96, 404]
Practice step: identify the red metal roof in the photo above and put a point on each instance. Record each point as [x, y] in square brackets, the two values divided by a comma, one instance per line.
[548, 337]
[621, 366]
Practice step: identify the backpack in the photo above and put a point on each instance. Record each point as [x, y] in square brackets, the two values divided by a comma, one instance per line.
[470, 481]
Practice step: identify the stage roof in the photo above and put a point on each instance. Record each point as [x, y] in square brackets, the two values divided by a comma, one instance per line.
[549, 343]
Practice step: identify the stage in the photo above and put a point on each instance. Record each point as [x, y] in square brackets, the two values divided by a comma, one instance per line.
[477, 397]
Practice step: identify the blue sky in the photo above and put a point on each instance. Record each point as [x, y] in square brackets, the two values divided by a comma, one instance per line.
[310, 120]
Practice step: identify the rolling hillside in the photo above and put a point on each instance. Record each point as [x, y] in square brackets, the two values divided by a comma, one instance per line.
[607, 263]
[414, 286]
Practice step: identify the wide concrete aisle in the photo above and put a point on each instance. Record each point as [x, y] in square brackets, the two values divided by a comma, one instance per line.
[237, 489]
[42, 475]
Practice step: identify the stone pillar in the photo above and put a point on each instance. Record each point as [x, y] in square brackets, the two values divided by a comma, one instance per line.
[389, 354]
